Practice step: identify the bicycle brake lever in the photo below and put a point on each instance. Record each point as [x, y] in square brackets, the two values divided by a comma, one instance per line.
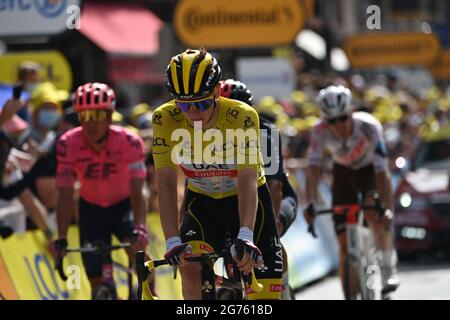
[60, 268]
[254, 284]
[312, 230]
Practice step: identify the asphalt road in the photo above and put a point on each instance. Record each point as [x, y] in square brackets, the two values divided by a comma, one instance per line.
[428, 278]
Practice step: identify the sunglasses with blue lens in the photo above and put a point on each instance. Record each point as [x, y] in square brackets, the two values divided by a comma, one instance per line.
[201, 105]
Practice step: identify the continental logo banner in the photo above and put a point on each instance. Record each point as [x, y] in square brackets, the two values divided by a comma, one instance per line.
[27, 269]
[409, 48]
[236, 23]
[441, 69]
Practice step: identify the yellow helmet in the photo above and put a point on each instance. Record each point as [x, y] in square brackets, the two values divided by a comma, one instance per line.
[269, 107]
[117, 117]
[47, 93]
[298, 97]
[139, 110]
[192, 74]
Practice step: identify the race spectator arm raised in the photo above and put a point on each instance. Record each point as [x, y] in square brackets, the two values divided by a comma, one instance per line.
[10, 108]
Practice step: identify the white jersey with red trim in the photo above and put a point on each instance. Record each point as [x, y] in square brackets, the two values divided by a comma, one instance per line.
[364, 147]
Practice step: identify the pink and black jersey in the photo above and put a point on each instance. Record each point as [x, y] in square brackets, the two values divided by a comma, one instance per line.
[104, 176]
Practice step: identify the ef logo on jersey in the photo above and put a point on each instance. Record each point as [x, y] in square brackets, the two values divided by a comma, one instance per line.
[100, 170]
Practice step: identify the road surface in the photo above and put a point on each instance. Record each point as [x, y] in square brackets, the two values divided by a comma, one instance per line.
[425, 279]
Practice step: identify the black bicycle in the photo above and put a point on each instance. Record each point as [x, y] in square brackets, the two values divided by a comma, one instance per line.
[105, 291]
[214, 286]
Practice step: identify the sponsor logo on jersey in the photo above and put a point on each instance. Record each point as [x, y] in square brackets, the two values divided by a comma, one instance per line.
[248, 122]
[158, 142]
[356, 153]
[98, 170]
[157, 119]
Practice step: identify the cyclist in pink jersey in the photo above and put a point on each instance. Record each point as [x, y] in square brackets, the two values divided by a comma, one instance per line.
[108, 162]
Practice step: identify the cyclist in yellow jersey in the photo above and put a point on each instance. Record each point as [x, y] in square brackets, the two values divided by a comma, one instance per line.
[215, 141]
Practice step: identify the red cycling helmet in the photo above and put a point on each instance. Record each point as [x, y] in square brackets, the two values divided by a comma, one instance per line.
[94, 96]
[237, 90]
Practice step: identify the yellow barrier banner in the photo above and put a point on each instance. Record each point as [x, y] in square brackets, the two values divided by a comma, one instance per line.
[7, 290]
[166, 287]
[27, 268]
[54, 67]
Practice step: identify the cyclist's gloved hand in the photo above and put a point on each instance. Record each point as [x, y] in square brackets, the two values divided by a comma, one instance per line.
[140, 235]
[175, 250]
[387, 217]
[242, 245]
[309, 213]
[60, 246]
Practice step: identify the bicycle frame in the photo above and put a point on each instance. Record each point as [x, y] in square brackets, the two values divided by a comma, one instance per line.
[361, 255]
[104, 250]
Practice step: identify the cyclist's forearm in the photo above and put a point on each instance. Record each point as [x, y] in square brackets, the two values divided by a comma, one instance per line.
[247, 197]
[138, 201]
[312, 181]
[168, 204]
[384, 187]
[275, 187]
[64, 210]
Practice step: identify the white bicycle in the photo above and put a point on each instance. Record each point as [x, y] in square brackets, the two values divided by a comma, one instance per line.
[362, 263]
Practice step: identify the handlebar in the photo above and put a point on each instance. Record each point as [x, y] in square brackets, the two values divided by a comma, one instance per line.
[100, 249]
[145, 267]
[345, 210]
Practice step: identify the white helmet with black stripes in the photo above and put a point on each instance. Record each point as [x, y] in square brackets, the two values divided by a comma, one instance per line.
[335, 101]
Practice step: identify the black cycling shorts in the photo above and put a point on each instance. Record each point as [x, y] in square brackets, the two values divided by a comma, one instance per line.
[207, 220]
[348, 186]
[98, 224]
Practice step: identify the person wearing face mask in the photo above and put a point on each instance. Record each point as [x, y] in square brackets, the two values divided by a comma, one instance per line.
[28, 75]
[39, 139]
[47, 111]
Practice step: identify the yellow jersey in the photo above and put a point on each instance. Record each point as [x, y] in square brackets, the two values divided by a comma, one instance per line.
[212, 158]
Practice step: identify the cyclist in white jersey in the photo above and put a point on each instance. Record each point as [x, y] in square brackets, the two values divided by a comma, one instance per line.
[356, 143]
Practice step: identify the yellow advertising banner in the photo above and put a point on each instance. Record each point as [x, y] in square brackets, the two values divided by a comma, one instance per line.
[307, 8]
[7, 290]
[441, 69]
[380, 49]
[54, 67]
[237, 23]
[27, 269]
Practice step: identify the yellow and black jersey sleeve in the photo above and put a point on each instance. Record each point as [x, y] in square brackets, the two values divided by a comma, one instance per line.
[164, 122]
[245, 120]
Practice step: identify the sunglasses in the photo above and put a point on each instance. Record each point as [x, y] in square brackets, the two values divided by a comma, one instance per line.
[201, 105]
[92, 115]
[337, 119]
